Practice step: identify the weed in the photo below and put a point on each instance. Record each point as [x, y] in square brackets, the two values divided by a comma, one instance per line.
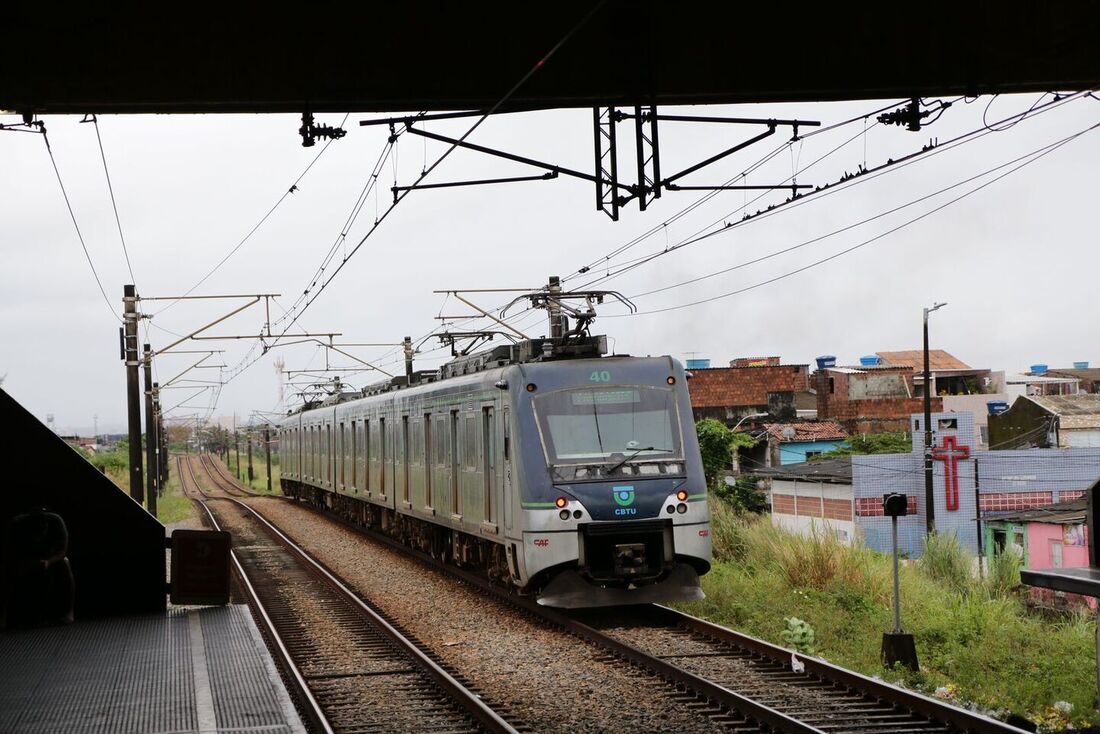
[945, 560]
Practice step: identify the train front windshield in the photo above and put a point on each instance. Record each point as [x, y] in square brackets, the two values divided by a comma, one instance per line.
[603, 424]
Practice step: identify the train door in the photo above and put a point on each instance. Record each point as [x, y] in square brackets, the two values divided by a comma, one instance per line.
[489, 467]
[511, 505]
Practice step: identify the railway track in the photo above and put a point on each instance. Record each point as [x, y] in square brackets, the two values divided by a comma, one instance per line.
[743, 682]
[348, 667]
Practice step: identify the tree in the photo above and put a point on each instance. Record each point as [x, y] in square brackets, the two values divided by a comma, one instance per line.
[871, 443]
[716, 441]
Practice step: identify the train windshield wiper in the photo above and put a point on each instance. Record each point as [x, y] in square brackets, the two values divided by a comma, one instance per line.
[632, 455]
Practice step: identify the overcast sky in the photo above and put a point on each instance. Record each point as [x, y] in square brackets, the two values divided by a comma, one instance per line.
[1016, 260]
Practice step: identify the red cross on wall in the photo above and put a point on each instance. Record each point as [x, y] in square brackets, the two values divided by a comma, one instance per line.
[950, 455]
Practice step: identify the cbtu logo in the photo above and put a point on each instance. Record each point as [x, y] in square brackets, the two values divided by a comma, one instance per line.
[624, 498]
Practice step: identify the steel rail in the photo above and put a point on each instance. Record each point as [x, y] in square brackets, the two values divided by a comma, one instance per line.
[467, 700]
[302, 693]
[921, 706]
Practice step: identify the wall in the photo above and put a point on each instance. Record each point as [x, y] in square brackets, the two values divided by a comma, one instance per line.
[728, 393]
[1039, 537]
[978, 406]
[794, 452]
[809, 507]
[867, 414]
[1024, 424]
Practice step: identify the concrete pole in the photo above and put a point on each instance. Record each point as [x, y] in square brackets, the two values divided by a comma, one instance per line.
[267, 445]
[251, 473]
[133, 390]
[151, 448]
[929, 492]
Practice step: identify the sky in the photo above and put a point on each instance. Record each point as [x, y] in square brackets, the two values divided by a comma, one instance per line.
[1015, 258]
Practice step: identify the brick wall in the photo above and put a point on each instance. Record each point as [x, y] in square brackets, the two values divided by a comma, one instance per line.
[872, 506]
[755, 362]
[723, 387]
[832, 509]
[870, 415]
[1011, 501]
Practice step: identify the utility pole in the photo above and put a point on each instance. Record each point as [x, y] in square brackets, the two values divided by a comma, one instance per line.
[557, 323]
[929, 493]
[151, 443]
[237, 447]
[409, 352]
[267, 445]
[133, 401]
[251, 474]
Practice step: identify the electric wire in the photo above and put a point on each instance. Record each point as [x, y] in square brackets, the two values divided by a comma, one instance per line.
[76, 226]
[1031, 158]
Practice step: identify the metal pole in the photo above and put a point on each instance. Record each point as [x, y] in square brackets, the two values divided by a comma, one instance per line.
[267, 445]
[151, 449]
[237, 447]
[929, 497]
[557, 327]
[251, 474]
[897, 582]
[978, 520]
[133, 400]
[407, 343]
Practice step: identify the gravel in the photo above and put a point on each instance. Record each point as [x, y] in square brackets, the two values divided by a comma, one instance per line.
[547, 678]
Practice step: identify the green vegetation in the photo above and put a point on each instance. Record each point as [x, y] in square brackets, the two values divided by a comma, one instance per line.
[871, 443]
[716, 441]
[977, 640]
[259, 471]
[172, 505]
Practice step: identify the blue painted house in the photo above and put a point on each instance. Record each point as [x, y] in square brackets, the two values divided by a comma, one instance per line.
[793, 443]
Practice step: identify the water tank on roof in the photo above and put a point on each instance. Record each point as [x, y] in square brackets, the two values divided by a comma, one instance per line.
[824, 361]
[870, 360]
[1038, 369]
[1080, 365]
[996, 407]
[698, 364]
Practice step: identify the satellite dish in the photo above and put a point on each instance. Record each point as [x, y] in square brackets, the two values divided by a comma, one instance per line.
[789, 433]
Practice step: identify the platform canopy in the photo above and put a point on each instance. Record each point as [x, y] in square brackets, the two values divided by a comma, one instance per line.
[375, 57]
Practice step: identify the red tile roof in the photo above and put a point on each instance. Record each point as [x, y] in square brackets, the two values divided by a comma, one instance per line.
[937, 360]
[807, 431]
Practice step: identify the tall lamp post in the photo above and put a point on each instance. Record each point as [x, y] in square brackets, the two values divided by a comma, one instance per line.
[929, 498]
[733, 449]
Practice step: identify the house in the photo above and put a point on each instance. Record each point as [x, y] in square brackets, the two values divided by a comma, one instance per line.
[749, 386]
[868, 398]
[1048, 421]
[948, 375]
[844, 495]
[1055, 536]
[793, 443]
[1042, 383]
[1088, 377]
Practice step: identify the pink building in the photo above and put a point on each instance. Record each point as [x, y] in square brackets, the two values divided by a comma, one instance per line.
[1054, 536]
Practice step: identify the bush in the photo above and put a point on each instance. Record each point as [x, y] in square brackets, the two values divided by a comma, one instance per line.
[715, 444]
[1004, 572]
[727, 531]
[945, 560]
[744, 495]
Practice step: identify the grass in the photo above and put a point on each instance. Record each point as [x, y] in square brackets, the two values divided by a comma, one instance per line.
[977, 641]
[259, 471]
[172, 505]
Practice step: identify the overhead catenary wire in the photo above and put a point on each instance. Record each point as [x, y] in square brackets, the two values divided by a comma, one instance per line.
[1027, 160]
[76, 226]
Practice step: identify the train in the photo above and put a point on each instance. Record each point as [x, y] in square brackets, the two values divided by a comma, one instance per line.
[568, 474]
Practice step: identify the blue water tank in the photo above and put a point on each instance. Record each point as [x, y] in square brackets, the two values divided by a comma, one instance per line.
[826, 360]
[996, 407]
[698, 364]
[1038, 369]
[1080, 365]
[870, 360]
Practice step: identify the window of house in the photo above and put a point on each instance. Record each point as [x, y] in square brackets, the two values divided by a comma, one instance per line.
[985, 434]
[947, 424]
[1056, 554]
[810, 454]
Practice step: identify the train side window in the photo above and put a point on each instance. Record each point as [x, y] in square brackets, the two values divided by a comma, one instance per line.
[487, 459]
[469, 442]
[455, 504]
[428, 459]
[354, 456]
[382, 456]
[507, 437]
[343, 453]
[405, 454]
[367, 455]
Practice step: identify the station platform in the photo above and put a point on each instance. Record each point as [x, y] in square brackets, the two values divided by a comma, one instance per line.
[201, 670]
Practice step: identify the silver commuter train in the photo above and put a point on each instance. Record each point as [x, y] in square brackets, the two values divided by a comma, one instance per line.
[577, 479]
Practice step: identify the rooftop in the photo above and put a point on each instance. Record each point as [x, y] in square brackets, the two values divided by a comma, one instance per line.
[938, 360]
[1074, 411]
[834, 471]
[806, 431]
[1060, 513]
[1090, 373]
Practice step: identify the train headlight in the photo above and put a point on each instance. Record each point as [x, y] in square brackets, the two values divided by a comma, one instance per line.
[561, 502]
[681, 508]
[682, 495]
[671, 380]
[564, 514]
[531, 387]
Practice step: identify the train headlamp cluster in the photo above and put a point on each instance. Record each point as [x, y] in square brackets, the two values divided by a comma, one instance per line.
[531, 387]
[671, 380]
[680, 508]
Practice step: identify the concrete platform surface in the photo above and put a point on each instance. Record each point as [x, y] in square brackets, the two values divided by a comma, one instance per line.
[191, 670]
